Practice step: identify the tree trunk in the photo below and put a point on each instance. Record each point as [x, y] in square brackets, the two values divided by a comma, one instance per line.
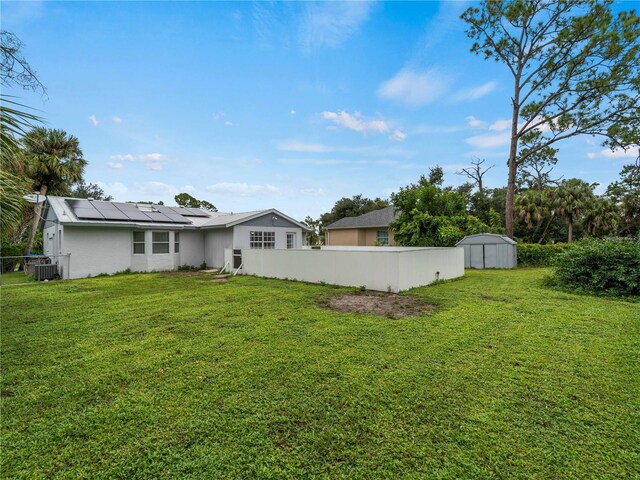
[570, 236]
[513, 152]
[546, 228]
[36, 221]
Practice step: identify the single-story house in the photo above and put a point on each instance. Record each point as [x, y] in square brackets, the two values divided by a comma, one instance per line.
[89, 237]
[365, 230]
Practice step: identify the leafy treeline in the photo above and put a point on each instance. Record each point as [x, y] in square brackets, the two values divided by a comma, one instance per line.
[547, 211]
[345, 207]
[575, 70]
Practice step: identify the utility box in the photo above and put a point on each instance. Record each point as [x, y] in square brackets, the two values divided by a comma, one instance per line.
[488, 250]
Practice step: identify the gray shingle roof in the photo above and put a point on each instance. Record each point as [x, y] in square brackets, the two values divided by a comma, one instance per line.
[377, 218]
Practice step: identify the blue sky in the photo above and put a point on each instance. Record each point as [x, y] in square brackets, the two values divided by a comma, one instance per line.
[285, 105]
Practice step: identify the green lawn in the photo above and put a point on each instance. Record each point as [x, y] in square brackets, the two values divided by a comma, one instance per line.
[157, 376]
[15, 278]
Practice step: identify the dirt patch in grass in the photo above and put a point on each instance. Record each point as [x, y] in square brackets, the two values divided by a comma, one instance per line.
[6, 394]
[387, 305]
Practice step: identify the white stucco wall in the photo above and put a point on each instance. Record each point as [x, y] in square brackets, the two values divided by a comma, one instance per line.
[97, 250]
[383, 269]
[242, 235]
[191, 248]
[215, 242]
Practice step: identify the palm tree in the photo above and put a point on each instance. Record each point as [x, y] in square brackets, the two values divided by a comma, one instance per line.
[601, 218]
[54, 160]
[531, 207]
[14, 123]
[570, 200]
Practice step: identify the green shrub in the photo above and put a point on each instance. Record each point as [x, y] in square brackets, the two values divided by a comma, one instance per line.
[10, 250]
[604, 266]
[535, 255]
[188, 268]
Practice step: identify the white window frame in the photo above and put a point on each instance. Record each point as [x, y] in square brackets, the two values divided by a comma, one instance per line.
[269, 240]
[138, 242]
[176, 242]
[262, 240]
[155, 242]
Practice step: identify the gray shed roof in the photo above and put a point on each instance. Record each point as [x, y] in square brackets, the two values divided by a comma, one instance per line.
[378, 218]
[485, 239]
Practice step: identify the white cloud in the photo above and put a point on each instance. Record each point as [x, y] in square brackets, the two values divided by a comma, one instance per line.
[632, 152]
[190, 189]
[489, 141]
[474, 122]
[242, 189]
[414, 88]
[93, 120]
[116, 119]
[229, 123]
[475, 92]
[115, 188]
[152, 161]
[398, 136]
[313, 161]
[218, 116]
[157, 189]
[297, 146]
[252, 162]
[591, 155]
[500, 125]
[328, 24]
[115, 165]
[312, 192]
[356, 122]
[427, 129]
[292, 112]
[119, 158]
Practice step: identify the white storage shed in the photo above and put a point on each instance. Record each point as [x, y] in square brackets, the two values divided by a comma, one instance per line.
[488, 250]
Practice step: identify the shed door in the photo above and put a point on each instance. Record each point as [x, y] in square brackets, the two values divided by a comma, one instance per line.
[477, 256]
[490, 256]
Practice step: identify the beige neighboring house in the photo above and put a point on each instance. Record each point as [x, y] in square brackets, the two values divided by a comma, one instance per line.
[363, 231]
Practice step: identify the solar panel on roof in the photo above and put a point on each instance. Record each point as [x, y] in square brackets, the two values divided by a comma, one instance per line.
[137, 216]
[130, 212]
[126, 206]
[105, 206]
[114, 215]
[88, 213]
[79, 203]
[158, 217]
[193, 212]
[171, 213]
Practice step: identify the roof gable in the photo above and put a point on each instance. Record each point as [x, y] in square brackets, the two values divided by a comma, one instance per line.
[378, 218]
[230, 220]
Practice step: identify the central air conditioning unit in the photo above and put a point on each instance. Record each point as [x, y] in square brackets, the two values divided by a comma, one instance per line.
[45, 272]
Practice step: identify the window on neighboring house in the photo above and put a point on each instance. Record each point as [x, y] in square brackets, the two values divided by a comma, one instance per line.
[160, 242]
[291, 240]
[176, 242]
[138, 242]
[383, 237]
[269, 240]
[262, 240]
[255, 240]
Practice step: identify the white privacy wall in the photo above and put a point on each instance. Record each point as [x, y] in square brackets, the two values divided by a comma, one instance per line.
[376, 268]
